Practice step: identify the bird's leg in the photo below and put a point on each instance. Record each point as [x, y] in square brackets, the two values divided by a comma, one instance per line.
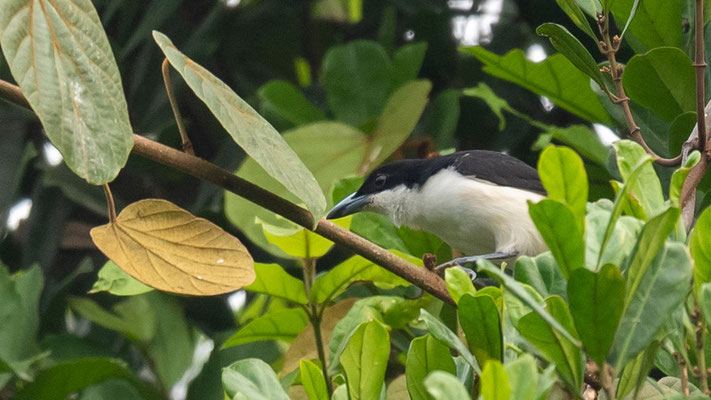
[461, 261]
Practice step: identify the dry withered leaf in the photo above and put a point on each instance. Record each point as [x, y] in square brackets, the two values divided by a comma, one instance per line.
[167, 248]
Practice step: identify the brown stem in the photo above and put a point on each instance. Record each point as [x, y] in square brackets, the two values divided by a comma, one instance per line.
[606, 381]
[202, 169]
[110, 203]
[699, 66]
[609, 48]
[684, 374]
[185, 140]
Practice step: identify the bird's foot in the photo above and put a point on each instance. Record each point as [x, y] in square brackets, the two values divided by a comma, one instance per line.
[461, 261]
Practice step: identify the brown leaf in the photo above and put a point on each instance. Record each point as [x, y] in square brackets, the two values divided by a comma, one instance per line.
[167, 248]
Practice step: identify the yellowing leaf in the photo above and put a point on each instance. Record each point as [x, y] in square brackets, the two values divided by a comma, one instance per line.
[166, 247]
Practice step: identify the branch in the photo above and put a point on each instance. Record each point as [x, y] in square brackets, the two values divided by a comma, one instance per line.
[204, 170]
[699, 66]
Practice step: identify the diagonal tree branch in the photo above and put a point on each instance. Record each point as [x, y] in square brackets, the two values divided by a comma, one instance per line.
[202, 169]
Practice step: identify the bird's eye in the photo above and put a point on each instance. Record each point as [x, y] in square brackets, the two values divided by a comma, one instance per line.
[380, 181]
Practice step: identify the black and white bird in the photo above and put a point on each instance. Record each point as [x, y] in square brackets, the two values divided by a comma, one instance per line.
[476, 201]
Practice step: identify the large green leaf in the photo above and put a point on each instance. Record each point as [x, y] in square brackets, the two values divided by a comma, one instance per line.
[458, 283]
[249, 130]
[313, 381]
[358, 80]
[354, 269]
[407, 61]
[287, 101]
[555, 77]
[572, 49]
[365, 359]
[61, 380]
[252, 379]
[19, 313]
[563, 175]
[555, 346]
[557, 225]
[426, 354]
[661, 80]
[445, 386]
[440, 331]
[571, 8]
[271, 279]
[541, 273]
[596, 301]
[700, 251]
[495, 382]
[646, 188]
[282, 324]
[650, 243]
[656, 23]
[518, 290]
[331, 151]
[59, 55]
[481, 324]
[523, 377]
[662, 289]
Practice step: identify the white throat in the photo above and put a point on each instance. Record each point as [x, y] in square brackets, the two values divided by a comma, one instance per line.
[471, 215]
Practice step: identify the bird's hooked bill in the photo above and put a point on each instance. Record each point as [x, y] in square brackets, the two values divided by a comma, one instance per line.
[350, 205]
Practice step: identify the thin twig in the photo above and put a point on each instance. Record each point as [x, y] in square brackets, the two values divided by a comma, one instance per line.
[608, 47]
[184, 139]
[110, 203]
[699, 66]
[202, 169]
[684, 374]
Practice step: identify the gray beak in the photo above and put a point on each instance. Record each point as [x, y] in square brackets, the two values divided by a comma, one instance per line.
[350, 205]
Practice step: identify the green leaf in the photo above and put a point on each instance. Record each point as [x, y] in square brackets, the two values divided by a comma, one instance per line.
[541, 273]
[596, 301]
[557, 225]
[287, 101]
[458, 283]
[522, 294]
[494, 382]
[407, 62]
[19, 313]
[132, 317]
[331, 151]
[426, 354]
[358, 80]
[555, 346]
[679, 177]
[635, 374]
[365, 359]
[445, 386]
[571, 8]
[646, 187]
[572, 49]
[563, 176]
[59, 55]
[655, 23]
[282, 324]
[555, 78]
[523, 377]
[662, 289]
[313, 381]
[252, 379]
[112, 279]
[249, 130]
[440, 331]
[354, 269]
[583, 140]
[481, 324]
[61, 380]
[661, 81]
[271, 279]
[303, 243]
[700, 252]
[651, 241]
[633, 12]
[704, 295]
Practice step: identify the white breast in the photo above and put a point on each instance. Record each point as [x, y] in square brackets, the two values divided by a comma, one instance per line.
[472, 216]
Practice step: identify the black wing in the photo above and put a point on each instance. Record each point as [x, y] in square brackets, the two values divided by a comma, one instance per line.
[497, 168]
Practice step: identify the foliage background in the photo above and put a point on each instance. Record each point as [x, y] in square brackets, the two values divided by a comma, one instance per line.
[246, 44]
